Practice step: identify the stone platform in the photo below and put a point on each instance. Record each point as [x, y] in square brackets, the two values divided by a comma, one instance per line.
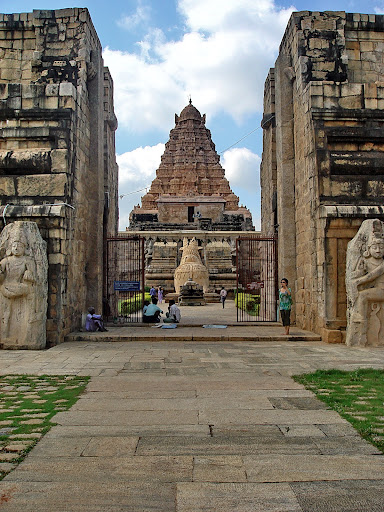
[191, 328]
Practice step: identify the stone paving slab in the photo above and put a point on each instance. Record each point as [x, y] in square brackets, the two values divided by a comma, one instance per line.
[127, 418]
[181, 404]
[73, 496]
[105, 446]
[342, 496]
[239, 497]
[98, 469]
[127, 430]
[264, 417]
[230, 445]
[299, 468]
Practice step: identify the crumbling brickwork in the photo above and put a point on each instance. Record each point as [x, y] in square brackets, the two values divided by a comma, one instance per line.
[323, 156]
[57, 148]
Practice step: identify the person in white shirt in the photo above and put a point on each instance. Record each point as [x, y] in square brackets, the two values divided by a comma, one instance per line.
[173, 315]
[223, 295]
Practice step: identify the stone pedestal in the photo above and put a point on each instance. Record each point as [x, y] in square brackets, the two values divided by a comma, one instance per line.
[191, 294]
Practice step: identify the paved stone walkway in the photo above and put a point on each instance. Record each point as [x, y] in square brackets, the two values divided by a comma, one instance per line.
[189, 427]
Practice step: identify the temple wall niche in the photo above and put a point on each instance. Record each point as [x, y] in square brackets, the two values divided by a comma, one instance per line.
[57, 163]
[331, 149]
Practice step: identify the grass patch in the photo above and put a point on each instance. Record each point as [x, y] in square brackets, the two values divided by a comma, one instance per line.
[248, 302]
[358, 396]
[27, 404]
[128, 306]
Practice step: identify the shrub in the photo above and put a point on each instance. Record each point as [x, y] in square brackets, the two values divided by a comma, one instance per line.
[247, 302]
[133, 304]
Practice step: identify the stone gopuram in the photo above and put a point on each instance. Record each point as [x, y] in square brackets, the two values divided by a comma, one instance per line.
[190, 197]
[322, 171]
[57, 152]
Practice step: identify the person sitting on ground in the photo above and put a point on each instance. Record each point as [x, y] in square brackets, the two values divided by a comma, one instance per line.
[152, 313]
[146, 304]
[94, 322]
[173, 315]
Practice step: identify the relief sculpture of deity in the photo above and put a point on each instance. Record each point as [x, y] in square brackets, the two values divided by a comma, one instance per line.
[365, 285]
[23, 287]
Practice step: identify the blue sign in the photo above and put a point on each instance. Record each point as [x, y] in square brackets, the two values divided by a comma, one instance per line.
[126, 286]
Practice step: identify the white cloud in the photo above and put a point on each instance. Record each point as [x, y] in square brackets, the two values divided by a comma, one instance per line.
[222, 60]
[137, 169]
[242, 169]
[379, 9]
[141, 15]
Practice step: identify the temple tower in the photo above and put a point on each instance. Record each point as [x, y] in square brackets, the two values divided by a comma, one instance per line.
[190, 193]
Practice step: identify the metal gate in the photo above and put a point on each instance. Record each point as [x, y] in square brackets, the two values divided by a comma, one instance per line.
[257, 286]
[124, 279]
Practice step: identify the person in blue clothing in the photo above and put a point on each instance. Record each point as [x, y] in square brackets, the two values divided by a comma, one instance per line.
[152, 292]
[152, 313]
[285, 304]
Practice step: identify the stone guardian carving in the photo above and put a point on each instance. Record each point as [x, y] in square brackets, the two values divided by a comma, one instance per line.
[191, 266]
[23, 287]
[365, 285]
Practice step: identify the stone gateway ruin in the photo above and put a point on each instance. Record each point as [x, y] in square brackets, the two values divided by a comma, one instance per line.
[322, 179]
[57, 154]
[322, 171]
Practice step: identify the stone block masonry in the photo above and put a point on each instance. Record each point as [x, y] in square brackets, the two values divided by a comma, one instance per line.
[323, 156]
[57, 147]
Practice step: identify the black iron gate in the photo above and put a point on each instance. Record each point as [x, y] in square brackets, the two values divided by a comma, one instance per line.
[124, 279]
[257, 286]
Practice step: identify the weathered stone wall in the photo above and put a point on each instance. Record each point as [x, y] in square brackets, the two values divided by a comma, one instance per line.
[52, 151]
[329, 155]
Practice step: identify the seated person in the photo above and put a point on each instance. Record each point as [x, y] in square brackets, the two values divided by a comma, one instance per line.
[152, 313]
[146, 304]
[94, 322]
[173, 315]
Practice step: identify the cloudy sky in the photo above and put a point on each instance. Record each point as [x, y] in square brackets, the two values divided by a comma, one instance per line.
[219, 52]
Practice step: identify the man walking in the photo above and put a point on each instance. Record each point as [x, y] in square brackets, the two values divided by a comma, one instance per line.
[223, 295]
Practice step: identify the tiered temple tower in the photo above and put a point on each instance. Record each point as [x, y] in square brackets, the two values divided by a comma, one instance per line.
[190, 194]
[190, 190]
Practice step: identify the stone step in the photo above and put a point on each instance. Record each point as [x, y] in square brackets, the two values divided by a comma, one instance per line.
[170, 335]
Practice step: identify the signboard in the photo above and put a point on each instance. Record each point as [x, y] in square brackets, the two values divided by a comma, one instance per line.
[256, 285]
[126, 286]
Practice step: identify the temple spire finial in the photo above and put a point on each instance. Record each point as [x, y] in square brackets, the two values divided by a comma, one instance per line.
[190, 99]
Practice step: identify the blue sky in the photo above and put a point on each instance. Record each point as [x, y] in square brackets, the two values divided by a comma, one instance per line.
[218, 51]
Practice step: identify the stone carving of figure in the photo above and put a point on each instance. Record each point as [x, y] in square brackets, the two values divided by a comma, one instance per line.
[191, 266]
[148, 250]
[365, 285]
[23, 287]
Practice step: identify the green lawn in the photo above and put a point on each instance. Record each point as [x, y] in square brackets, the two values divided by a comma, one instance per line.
[27, 404]
[358, 396]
